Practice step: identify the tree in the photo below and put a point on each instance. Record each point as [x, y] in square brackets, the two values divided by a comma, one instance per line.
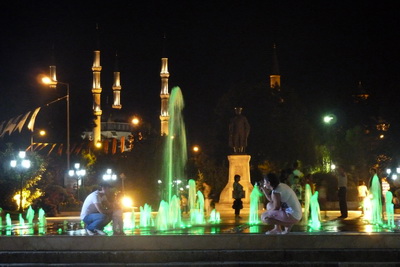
[12, 181]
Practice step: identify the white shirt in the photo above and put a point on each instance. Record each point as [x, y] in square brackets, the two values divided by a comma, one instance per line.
[88, 206]
[342, 180]
[289, 197]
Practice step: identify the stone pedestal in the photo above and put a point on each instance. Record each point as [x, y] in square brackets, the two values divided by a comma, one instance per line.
[238, 164]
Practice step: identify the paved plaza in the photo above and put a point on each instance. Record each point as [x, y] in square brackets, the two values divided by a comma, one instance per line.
[232, 242]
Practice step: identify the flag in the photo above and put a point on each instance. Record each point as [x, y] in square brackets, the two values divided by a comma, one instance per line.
[1, 126]
[78, 149]
[105, 144]
[31, 124]
[21, 123]
[60, 150]
[114, 146]
[122, 144]
[54, 145]
[10, 126]
[71, 150]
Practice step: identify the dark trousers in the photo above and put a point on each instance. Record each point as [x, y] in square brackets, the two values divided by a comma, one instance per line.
[237, 206]
[342, 192]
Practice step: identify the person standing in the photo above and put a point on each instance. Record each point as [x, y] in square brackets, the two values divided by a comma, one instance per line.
[94, 214]
[238, 194]
[362, 194]
[342, 192]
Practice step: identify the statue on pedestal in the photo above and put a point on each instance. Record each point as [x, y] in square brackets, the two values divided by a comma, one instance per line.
[239, 129]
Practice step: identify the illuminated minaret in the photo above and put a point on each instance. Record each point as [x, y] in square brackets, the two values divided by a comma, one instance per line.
[116, 86]
[164, 95]
[96, 91]
[53, 72]
[275, 77]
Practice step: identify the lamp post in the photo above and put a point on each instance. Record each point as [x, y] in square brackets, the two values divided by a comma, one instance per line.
[123, 177]
[78, 173]
[20, 164]
[49, 81]
[41, 133]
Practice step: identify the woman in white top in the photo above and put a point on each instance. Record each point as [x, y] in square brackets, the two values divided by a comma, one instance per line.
[283, 209]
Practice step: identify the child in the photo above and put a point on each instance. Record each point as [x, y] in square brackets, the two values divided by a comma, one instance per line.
[298, 189]
[362, 194]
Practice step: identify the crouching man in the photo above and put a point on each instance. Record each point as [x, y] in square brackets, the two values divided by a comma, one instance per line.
[94, 214]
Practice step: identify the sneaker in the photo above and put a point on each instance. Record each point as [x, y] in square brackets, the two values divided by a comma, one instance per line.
[99, 232]
[273, 232]
[90, 232]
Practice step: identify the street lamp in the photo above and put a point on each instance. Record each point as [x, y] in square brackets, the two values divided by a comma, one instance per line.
[78, 173]
[49, 81]
[109, 175]
[135, 121]
[20, 164]
[41, 133]
[123, 177]
[330, 119]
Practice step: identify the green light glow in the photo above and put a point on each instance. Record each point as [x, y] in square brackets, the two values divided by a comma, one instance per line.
[376, 201]
[315, 212]
[254, 205]
[389, 209]
[307, 197]
[175, 149]
[30, 214]
[145, 215]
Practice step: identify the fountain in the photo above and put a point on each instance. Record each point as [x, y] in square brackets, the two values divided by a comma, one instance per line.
[389, 209]
[197, 212]
[145, 216]
[315, 222]
[169, 216]
[21, 220]
[307, 198]
[30, 214]
[376, 201]
[175, 150]
[254, 217]
[42, 223]
[9, 226]
[174, 218]
[215, 217]
[192, 194]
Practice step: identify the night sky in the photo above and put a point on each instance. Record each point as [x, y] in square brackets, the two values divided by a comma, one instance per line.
[324, 49]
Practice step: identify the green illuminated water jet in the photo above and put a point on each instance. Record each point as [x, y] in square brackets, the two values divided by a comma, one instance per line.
[255, 195]
[197, 212]
[307, 199]
[376, 201]
[30, 214]
[315, 222]
[175, 149]
[145, 215]
[192, 194]
[8, 224]
[389, 209]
